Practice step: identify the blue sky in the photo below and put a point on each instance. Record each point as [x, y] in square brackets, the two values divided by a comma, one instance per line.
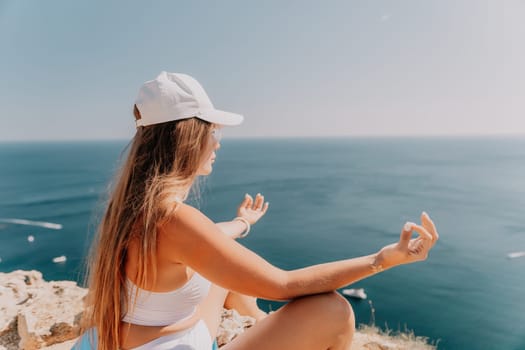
[72, 69]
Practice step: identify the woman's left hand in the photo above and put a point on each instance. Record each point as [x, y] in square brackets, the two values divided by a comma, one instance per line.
[408, 249]
[252, 210]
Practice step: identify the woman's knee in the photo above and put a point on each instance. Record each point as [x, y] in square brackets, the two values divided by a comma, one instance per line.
[331, 316]
[332, 307]
[340, 309]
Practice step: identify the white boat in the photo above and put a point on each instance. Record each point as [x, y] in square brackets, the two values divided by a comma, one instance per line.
[358, 293]
[50, 225]
[515, 255]
[59, 259]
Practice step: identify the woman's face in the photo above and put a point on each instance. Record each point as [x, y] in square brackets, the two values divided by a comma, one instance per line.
[209, 157]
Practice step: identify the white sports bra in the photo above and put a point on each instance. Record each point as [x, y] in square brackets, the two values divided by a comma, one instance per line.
[164, 308]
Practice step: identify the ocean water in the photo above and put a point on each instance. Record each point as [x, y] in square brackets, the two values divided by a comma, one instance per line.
[329, 199]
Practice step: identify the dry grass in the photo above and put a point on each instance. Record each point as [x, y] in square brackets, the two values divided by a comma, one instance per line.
[374, 338]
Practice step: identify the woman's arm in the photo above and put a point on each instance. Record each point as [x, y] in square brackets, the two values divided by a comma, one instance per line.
[194, 240]
[233, 228]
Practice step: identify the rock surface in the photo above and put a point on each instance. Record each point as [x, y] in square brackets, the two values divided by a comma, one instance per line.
[232, 324]
[35, 314]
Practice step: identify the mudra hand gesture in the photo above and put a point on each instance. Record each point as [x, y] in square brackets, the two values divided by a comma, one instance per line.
[252, 210]
[409, 249]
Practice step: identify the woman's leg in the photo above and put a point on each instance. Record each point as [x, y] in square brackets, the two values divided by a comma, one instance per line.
[211, 308]
[245, 305]
[317, 322]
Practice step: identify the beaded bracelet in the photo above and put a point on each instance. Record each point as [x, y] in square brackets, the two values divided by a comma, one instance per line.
[245, 233]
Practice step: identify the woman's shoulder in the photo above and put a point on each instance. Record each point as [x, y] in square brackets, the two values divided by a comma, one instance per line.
[185, 217]
[185, 231]
[185, 211]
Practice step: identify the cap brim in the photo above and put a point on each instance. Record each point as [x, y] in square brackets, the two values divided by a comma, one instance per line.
[222, 117]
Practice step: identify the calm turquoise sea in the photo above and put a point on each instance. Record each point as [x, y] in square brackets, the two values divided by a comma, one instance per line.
[329, 199]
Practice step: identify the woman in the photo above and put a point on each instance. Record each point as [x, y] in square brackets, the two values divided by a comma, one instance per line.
[161, 270]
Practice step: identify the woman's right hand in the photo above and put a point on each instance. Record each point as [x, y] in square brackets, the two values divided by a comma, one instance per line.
[252, 210]
[408, 249]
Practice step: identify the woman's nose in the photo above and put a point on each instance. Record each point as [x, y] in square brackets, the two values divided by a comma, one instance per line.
[217, 145]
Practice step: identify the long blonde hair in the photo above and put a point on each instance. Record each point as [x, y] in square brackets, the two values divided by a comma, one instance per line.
[157, 175]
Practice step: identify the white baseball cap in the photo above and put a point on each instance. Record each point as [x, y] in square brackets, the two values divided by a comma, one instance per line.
[175, 96]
